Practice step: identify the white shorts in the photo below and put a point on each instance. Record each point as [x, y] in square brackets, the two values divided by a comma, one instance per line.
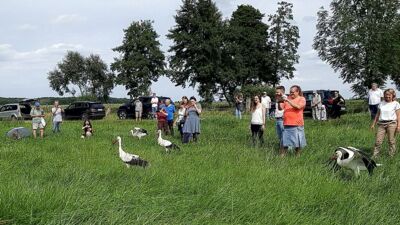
[35, 126]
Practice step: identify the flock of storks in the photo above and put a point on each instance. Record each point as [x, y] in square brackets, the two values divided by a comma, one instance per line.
[344, 157]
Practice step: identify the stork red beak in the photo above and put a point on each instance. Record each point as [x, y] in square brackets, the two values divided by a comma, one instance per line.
[334, 157]
[114, 142]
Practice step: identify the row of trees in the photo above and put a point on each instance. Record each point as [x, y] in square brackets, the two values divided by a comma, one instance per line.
[217, 56]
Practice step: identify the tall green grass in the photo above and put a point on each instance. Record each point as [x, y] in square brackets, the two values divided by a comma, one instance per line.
[63, 179]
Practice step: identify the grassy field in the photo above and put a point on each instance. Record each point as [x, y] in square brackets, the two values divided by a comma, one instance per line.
[63, 179]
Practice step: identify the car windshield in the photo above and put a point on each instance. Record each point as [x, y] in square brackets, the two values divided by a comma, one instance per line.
[97, 106]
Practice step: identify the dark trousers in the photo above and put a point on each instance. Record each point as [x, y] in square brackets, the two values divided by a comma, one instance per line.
[171, 126]
[189, 136]
[373, 109]
[336, 111]
[256, 131]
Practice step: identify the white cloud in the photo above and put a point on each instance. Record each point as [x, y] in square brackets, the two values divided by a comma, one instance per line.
[27, 27]
[68, 18]
[46, 57]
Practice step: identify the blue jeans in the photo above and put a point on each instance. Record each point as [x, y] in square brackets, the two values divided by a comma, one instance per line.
[373, 109]
[56, 126]
[238, 113]
[279, 129]
[153, 111]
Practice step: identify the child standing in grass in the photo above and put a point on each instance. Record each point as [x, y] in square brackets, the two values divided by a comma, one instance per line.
[87, 129]
[162, 120]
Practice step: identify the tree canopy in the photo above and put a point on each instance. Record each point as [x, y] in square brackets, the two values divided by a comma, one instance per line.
[91, 75]
[141, 60]
[360, 40]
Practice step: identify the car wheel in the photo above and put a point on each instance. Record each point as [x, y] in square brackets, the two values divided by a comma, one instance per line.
[85, 116]
[13, 118]
[122, 115]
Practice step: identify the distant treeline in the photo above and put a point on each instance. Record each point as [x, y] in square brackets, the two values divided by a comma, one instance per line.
[62, 100]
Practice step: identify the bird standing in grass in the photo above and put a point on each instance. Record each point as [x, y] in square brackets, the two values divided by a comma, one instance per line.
[354, 159]
[129, 159]
[165, 143]
[139, 132]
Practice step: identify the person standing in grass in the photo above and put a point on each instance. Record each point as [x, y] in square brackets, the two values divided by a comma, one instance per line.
[180, 120]
[154, 105]
[239, 105]
[279, 93]
[375, 96]
[170, 109]
[337, 103]
[57, 111]
[138, 110]
[162, 120]
[257, 122]
[316, 105]
[191, 128]
[266, 102]
[37, 115]
[388, 121]
[293, 121]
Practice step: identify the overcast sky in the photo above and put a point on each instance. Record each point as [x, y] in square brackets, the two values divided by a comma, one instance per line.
[35, 35]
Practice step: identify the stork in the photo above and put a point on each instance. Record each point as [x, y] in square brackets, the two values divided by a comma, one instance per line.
[165, 143]
[129, 159]
[139, 132]
[354, 159]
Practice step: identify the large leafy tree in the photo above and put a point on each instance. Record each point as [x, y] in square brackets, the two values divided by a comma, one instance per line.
[246, 58]
[359, 39]
[284, 42]
[100, 79]
[196, 58]
[90, 75]
[141, 60]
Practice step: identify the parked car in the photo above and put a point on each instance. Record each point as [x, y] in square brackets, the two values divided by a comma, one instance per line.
[16, 111]
[326, 97]
[127, 110]
[85, 110]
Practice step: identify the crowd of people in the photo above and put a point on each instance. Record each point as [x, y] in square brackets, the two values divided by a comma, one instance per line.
[288, 114]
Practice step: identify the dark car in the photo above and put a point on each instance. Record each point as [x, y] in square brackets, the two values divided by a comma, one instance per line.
[326, 97]
[85, 110]
[128, 109]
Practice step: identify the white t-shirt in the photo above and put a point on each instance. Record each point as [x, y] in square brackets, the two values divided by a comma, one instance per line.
[154, 102]
[257, 117]
[266, 101]
[57, 114]
[278, 113]
[374, 97]
[388, 110]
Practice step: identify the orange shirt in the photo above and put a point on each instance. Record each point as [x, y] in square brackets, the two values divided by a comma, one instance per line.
[293, 116]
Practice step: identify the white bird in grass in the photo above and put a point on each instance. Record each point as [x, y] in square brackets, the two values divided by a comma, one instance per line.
[139, 132]
[354, 159]
[165, 143]
[129, 159]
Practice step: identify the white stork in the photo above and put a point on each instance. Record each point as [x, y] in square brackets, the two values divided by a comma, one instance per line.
[139, 132]
[165, 143]
[129, 159]
[354, 159]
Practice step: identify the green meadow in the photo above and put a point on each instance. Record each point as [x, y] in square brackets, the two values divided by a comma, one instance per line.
[64, 179]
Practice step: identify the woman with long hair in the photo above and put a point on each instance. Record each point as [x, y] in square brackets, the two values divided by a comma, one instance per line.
[257, 122]
[293, 121]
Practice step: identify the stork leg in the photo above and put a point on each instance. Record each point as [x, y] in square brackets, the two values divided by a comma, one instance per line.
[357, 171]
[127, 165]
